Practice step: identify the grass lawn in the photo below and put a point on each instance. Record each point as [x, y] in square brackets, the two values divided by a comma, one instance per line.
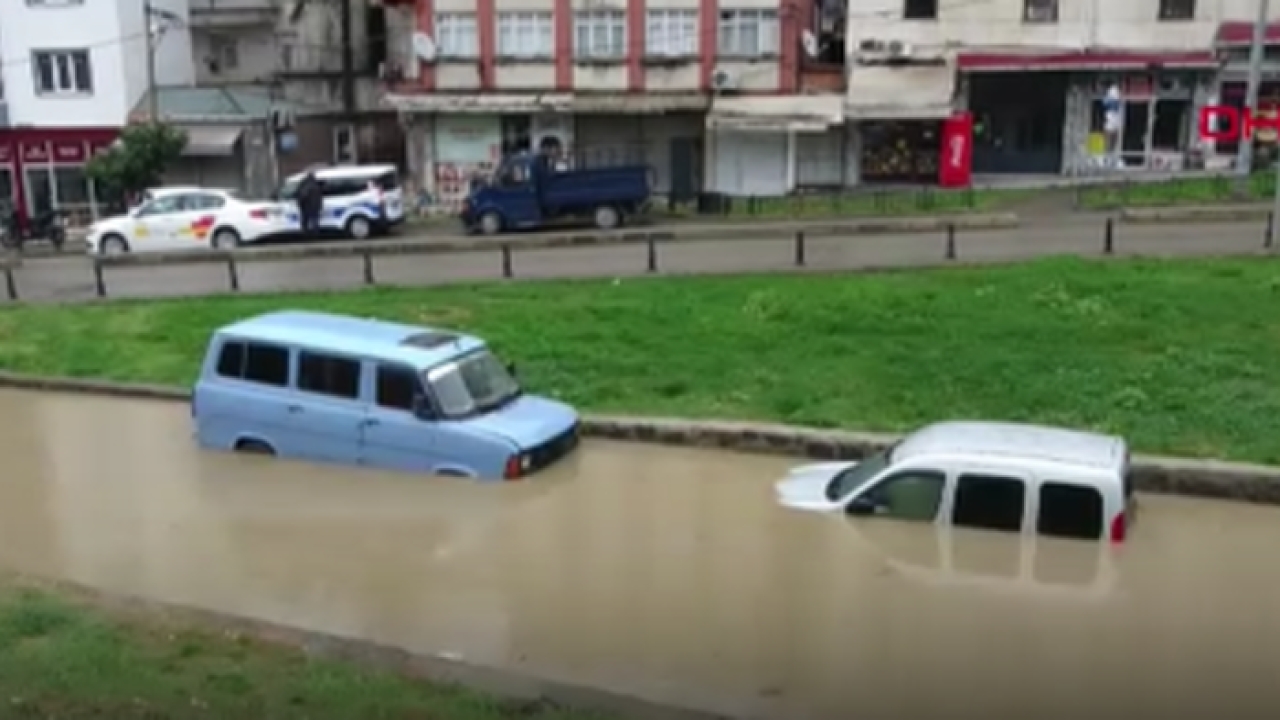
[61, 657]
[1178, 191]
[1180, 356]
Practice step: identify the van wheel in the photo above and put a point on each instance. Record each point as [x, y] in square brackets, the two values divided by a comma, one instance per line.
[226, 239]
[607, 217]
[254, 447]
[113, 245]
[491, 223]
[359, 228]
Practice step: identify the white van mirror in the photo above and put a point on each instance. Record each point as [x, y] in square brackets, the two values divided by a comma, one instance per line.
[861, 505]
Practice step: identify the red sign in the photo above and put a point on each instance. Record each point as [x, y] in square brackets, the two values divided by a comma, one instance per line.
[68, 151]
[6, 154]
[35, 153]
[1223, 123]
[955, 166]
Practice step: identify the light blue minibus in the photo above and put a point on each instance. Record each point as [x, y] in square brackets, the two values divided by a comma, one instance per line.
[337, 389]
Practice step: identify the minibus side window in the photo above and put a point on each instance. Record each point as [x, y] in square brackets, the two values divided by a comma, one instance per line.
[396, 387]
[329, 375]
[254, 362]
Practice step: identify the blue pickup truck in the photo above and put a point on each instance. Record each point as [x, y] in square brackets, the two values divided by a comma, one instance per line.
[526, 192]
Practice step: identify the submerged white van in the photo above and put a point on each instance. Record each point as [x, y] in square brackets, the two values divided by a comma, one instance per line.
[985, 475]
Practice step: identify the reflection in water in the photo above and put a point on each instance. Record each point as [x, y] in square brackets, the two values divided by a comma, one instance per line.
[661, 572]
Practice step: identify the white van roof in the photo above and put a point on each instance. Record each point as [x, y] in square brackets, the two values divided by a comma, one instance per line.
[1013, 442]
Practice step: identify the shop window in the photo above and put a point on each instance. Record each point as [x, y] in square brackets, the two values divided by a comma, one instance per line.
[1172, 122]
[1040, 11]
[1177, 9]
[517, 134]
[71, 187]
[920, 10]
[905, 152]
[344, 145]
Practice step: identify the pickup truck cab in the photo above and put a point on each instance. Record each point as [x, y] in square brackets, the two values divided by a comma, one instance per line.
[355, 391]
[528, 192]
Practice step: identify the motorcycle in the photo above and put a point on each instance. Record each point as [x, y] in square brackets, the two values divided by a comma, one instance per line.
[50, 225]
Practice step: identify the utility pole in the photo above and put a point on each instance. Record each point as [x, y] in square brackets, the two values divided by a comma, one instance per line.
[1257, 52]
[153, 98]
[349, 61]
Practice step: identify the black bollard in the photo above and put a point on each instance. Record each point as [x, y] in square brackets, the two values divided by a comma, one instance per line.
[951, 241]
[653, 254]
[507, 271]
[1271, 226]
[233, 273]
[368, 267]
[99, 282]
[800, 248]
[1109, 238]
[10, 285]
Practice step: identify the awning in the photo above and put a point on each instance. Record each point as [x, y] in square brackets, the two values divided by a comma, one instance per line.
[776, 113]
[1049, 60]
[654, 103]
[204, 141]
[902, 92]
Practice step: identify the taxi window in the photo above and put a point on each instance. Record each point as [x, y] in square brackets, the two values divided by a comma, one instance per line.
[205, 202]
[161, 206]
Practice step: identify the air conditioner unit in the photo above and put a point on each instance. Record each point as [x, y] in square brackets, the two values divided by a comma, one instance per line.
[897, 49]
[723, 80]
[870, 45]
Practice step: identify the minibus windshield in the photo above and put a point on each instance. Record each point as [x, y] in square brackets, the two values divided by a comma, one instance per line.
[471, 385]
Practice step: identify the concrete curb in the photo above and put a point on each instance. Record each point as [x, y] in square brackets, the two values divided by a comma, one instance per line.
[515, 687]
[1242, 482]
[1205, 214]
[430, 245]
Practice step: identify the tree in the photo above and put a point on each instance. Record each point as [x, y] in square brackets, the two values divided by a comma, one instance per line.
[137, 160]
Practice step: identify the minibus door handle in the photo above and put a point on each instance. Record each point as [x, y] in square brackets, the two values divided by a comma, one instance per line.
[295, 409]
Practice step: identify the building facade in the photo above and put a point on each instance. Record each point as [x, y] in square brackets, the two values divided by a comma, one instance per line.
[707, 93]
[1053, 86]
[73, 71]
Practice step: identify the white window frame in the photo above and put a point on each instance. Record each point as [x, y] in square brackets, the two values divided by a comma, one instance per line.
[600, 34]
[63, 66]
[349, 131]
[225, 52]
[734, 41]
[526, 35]
[671, 33]
[54, 3]
[457, 35]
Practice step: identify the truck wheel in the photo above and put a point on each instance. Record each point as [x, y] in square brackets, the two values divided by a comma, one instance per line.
[607, 217]
[491, 223]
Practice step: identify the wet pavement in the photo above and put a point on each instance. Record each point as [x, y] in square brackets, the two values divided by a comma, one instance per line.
[661, 572]
[72, 278]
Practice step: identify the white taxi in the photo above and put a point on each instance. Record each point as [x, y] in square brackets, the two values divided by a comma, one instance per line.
[187, 218]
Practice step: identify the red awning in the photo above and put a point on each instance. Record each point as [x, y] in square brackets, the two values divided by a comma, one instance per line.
[1241, 33]
[1083, 60]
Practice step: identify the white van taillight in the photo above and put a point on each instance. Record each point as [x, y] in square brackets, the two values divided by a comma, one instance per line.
[1118, 527]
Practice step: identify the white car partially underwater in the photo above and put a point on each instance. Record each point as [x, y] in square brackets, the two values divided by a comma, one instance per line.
[188, 218]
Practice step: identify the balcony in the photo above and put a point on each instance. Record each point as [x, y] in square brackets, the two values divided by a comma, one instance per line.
[213, 14]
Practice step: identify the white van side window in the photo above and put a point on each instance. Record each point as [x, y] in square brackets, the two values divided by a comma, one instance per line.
[1070, 511]
[396, 387]
[989, 502]
[259, 363]
[910, 495]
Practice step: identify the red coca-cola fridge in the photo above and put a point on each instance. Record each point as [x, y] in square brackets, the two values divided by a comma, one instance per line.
[955, 167]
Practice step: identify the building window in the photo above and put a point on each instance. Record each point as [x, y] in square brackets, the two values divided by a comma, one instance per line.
[62, 72]
[526, 35]
[1040, 11]
[344, 145]
[671, 33]
[1177, 9]
[748, 33]
[54, 3]
[600, 34]
[920, 10]
[224, 54]
[457, 36]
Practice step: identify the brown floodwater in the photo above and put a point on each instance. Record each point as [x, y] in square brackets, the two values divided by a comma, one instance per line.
[662, 572]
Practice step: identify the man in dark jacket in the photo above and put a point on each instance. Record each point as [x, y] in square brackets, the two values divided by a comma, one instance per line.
[310, 204]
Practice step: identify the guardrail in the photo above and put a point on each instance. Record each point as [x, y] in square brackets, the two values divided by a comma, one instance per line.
[368, 267]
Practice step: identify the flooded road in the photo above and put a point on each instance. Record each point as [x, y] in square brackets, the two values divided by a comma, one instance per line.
[660, 572]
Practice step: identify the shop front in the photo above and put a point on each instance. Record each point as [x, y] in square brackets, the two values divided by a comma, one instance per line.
[775, 145]
[43, 169]
[901, 112]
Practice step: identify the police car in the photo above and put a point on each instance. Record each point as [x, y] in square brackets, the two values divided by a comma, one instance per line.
[187, 218]
[360, 201]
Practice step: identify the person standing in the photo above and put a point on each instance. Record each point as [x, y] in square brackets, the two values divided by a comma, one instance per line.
[310, 204]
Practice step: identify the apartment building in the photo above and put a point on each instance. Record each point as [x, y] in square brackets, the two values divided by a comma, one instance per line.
[1051, 86]
[708, 93]
[72, 71]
